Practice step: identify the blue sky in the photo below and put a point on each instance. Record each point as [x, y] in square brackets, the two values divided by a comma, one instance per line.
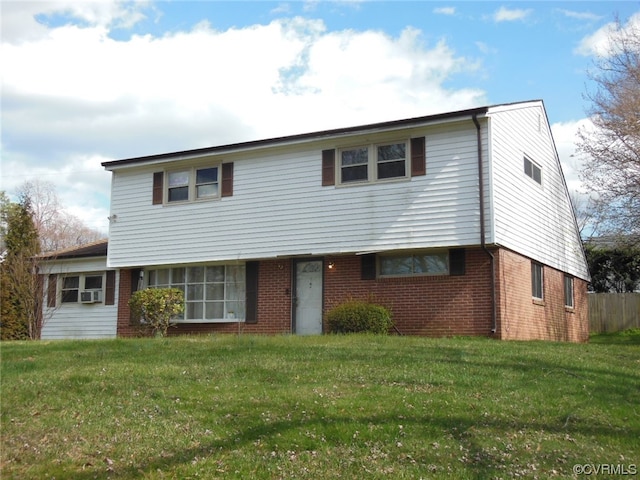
[87, 82]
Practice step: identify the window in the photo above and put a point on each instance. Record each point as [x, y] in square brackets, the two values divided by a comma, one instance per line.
[178, 190]
[568, 291]
[532, 170]
[72, 285]
[414, 264]
[70, 289]
[392, 160]
[355, 164]
[93, 282]
[370, 163]
[213, 293]
[537, 289]
[192, 184]
[207, 182]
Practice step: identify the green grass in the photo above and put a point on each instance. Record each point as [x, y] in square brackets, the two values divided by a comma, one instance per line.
[322, 407]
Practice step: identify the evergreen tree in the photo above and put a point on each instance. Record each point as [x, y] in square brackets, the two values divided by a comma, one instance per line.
[20, 301]
[614, 269]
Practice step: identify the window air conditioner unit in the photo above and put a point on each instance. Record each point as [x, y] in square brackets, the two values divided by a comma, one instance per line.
[91, 296]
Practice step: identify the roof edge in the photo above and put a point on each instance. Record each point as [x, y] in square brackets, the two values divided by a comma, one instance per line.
[94, 249]
[299, 137]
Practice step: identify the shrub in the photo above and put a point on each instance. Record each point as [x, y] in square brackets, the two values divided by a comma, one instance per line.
[355, 316]
[156, 307]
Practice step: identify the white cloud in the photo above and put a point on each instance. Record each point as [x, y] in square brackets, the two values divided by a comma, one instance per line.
[504, 14]
[565, 137]
[587, 16]
[445, 10]
[27, 21]
[598, 44]
[73, 96]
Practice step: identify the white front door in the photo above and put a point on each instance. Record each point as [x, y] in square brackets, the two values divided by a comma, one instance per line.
[308, 299]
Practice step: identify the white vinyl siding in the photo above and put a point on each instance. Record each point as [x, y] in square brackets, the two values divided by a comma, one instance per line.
[279, 207]
[531, 218]
[77, 320]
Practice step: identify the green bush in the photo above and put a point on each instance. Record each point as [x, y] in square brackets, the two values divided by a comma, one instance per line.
[355, 316]
[156, 307]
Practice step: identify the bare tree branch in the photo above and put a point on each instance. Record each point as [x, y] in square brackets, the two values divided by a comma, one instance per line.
[612, 148]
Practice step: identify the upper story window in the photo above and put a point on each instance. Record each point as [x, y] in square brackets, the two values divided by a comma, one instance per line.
[195, 183]
[370, 163]
[192, 184]
[532, 170]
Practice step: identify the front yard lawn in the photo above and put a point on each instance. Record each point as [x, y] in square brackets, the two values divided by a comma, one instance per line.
[317, 407]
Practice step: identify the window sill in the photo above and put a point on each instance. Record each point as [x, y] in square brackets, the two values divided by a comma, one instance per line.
[569, 309]
[538, 301]
[191, 202]
[373, 182]
[215, 320]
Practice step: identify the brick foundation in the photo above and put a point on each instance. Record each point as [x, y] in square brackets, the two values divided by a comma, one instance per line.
[274, 306]
[520, 317]
[432, 306]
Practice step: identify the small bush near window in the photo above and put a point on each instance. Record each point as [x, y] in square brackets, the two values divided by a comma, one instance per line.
[156, 307]
[356, 316]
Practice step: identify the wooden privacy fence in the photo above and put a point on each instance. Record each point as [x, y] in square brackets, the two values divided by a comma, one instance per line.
[613, 312]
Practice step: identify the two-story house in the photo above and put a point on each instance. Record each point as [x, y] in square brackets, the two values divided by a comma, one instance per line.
[460, 223]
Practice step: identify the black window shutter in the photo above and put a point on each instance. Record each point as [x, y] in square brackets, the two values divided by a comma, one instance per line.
[457, 261]
[418, 157]
[110, 288]
[328, 167]
[52, 291]
[135, 278]
[368, 266]
[252, 292]
[227, 179]
[158, 186]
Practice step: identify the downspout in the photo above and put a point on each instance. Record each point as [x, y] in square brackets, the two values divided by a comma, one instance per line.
[492, 260]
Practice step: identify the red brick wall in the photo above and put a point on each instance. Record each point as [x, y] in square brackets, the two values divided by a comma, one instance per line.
[523, 318]
[124, 327]
[427, 305]
[274, 306]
